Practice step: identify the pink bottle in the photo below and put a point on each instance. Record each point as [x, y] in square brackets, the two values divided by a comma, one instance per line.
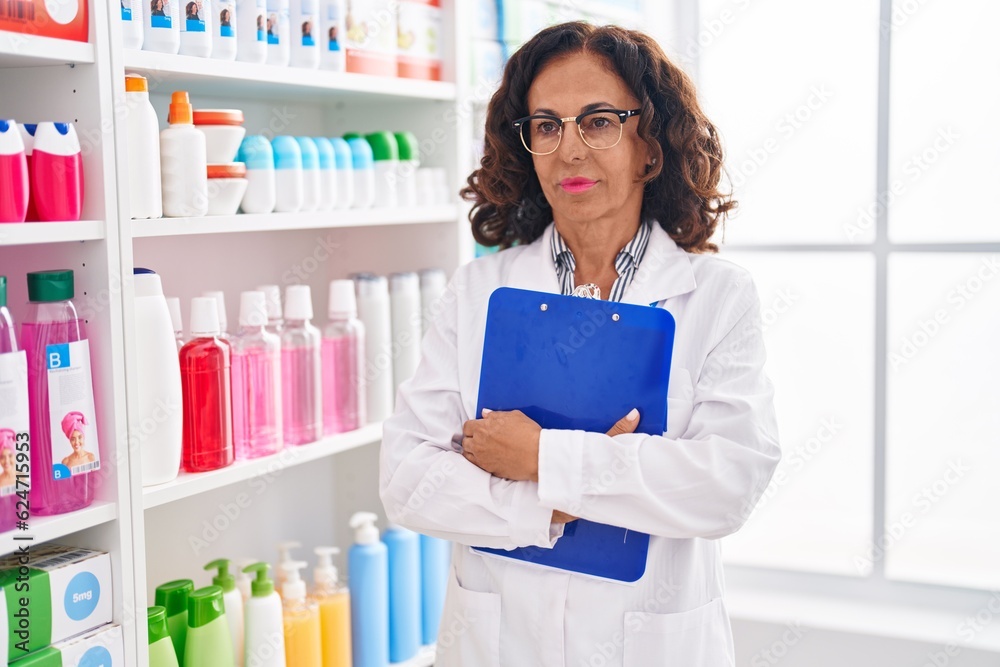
[52, 321]
[257, 428]
[13, 174]
[57, 173]
[28, 139]
[300, 369]
[343, 359]
[8, 437]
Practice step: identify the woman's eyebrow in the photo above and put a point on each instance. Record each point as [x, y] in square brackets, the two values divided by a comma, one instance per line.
[585, 109]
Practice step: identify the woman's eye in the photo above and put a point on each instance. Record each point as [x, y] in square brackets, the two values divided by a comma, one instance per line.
[547, 127]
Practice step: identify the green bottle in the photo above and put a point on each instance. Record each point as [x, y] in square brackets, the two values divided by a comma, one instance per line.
[161, 647]
[173, 596]
[208, 640]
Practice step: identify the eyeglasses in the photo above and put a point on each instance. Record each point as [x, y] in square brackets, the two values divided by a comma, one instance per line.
[600, 129]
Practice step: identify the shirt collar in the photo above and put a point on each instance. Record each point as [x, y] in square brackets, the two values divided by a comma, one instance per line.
[630, 255]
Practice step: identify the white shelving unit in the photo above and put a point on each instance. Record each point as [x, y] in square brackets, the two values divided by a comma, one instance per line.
[33, 233]
[22, 50]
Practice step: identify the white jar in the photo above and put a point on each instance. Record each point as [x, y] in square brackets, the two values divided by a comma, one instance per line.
[304, 30]
[279, 48]
[183, 165]
[196, 28]
[288, 174]
[331, 37]
[256, 153]
[162, 26]
[252, 33]
[224, 33]
[143, 128]
[132, 28]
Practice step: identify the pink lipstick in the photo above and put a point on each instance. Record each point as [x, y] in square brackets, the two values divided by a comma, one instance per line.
[576, 185]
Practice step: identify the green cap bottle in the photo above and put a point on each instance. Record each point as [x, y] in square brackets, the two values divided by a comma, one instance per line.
[409, 147]
[384, 146]
[208, 640]
[3, 291]
[173, 596]
[50, 286]
[161, 647]
[262, 585]
[223, 579]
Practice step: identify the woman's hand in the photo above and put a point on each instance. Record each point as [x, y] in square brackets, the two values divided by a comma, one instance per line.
[504, 444]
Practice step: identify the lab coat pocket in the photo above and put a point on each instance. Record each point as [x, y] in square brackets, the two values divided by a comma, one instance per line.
[469, 633]
[680, 402]
[700, 637]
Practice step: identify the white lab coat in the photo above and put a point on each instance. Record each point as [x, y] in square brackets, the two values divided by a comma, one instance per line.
[687, 488]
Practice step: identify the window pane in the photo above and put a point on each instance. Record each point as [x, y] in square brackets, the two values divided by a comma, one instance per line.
[944, 138]
[943, 419]
[793, 88]
[818, 315]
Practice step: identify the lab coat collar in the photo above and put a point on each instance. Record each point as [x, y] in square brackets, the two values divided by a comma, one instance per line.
[665, 270]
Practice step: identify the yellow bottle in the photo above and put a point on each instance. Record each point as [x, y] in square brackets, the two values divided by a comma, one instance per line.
[334, 601]
[301, 620]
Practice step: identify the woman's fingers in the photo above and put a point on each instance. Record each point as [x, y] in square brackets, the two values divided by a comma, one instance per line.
[626, 424]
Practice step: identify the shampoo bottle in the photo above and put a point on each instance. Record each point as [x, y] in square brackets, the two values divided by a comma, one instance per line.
[368, 567]
[224, 33]
[279, 47]
[334, 610]
[305, 33]
[265, 632]
[162, 33]
[57, 173]
[435, 561]
[144, 182]
[13, 174]
[375, 311]
[405, 632]
[161, 649]
[208, 642]
[183, 162]
[233, 602]
[303, 647]
[252, 37]
[173, 597]
[132, 28]
[196, 28]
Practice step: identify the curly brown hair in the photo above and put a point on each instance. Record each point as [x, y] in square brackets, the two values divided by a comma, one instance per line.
[681, 190]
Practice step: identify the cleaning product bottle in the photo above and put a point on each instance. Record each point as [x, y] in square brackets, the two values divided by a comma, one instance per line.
[435, 561]
[302, 406]
[28, 139]
[303, 647]
[233, 602]
[343, 359]
[405, 631]
[368, 567]
[161, 648]
[265, 632]
[279, 43]
[386, 154]
[288, 174]
[57, 173]
[404, 295]
[14, 407]
[55, 341]
[409, 162]
[334, 602]
[374, 310]
[174, 305]
[252, 34]
[284, 556]
[205, 378]
[196, 28]
[345, 173]
[183, 162]
[327, 174]
[224, 34]
[159, 382]
[145, 194]
[305, 37]
[257, 426]
[311, 182]
[162, 33]
[332, 32]
[261, 195]
[132, 27]
[363, 163]
[208, 642]
[272, 294]
[220, 302]
[173, 596]
[13, 174]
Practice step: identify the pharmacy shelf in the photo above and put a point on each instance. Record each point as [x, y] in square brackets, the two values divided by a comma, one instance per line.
[224, 224]
[43, 529]
[192, 484]
[27, 233]
[425, 658]
[166, 72]
[23, 50]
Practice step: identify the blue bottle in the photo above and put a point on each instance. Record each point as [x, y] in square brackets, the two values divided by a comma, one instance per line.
[368, 569]
[435, 560]
[404, 592]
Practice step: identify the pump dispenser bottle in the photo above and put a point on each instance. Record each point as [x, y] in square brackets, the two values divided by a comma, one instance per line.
[334, 610]
[284, 556]
[368, 567]
[234, 605]
[265, 634]
[303, 647]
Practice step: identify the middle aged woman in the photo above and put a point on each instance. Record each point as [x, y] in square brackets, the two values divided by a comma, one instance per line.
[601, 166]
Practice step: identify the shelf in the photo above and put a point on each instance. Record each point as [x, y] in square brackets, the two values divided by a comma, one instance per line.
[49, 528]
[224, 224]
[23, 50]
[424, 658]
[246, 80]
[26, 233]
[192, 484]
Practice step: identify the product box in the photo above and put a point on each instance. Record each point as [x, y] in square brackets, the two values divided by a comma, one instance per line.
[103, 647]
[371, 37]
[65, 19]
[419, 39]
[57, 592]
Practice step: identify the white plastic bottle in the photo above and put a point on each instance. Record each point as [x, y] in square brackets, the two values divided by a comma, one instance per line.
[225, 35]
[176, 321]
[311, 181]
[374, 311]
[272, 296]
[433, 283]
[288, 174]
[332, 36]
[363, 162]
[145, 194]
[132, 28]
[279, 47]
[404, 290]
[385, 150]
[158, 372]
[162, 26]
[327, 174]
[183, 163]
[233, 603]
[251, 35]
[345, 173]
[406, 170]
[220, 301]
[264, 629]
[196, 28]
[305, 33]
[261, 195]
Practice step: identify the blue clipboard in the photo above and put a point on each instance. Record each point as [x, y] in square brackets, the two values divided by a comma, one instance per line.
[574, 363]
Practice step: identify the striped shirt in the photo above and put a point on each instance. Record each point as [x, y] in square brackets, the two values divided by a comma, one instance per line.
[625, 264]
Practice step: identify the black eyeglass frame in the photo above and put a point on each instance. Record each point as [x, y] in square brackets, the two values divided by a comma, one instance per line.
[622, 114]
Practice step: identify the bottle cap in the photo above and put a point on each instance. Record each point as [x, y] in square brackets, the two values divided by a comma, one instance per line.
[223, 579]
[325, 150]
[370, 285]
[3, 291]
[173, 596]
[365, 531]
[361, 153]
[220, 300]
[272, 294]
[343, 302]
[204, 606]
[50, 286]
[156, 620]
[218, 117]
[298, 302]
[174, 306]
[253, 309]
[326, 571]
[293, 588]
[287, 153]
[342, 153]
[403, 282]
[409, 147]
[227, 170]
[204, 320]
[256, 153]
[146, 283]
[262, 585]
[180, 109]
[285, 551]
[136, 83]
[310, 155]
[384, 146]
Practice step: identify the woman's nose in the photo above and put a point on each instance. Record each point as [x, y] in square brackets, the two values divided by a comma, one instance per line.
[572, 146]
